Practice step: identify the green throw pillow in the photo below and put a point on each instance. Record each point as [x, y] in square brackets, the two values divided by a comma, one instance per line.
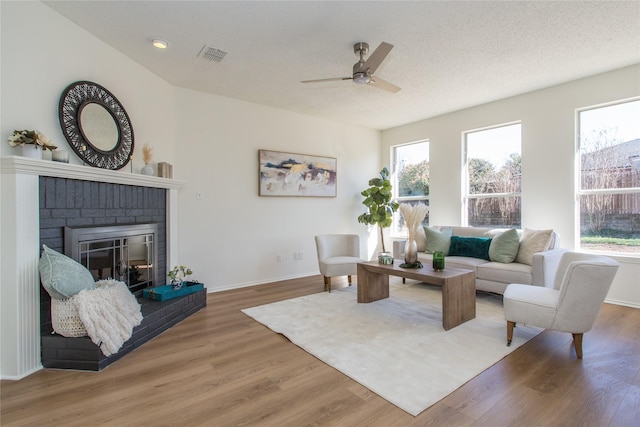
[61, 276]
[504, 247]
[474, 247]
[437, 240]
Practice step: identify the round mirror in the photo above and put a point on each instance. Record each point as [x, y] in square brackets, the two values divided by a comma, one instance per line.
[99, 127]
[96, 125]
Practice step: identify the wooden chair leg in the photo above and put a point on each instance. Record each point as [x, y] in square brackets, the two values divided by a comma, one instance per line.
[349, 279]
[510, 326]
[328, 284]
[325, 282]
[577, 343]
[404, 280]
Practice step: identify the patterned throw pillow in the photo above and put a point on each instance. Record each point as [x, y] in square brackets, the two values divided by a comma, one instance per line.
[61, 276]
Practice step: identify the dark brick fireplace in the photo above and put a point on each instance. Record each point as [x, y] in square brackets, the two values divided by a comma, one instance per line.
[74, 203]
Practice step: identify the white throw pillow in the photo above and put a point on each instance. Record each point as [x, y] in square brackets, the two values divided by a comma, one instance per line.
[532, 241]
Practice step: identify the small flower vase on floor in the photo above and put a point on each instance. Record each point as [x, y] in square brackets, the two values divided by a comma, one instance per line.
[146, 169]
[411, 250]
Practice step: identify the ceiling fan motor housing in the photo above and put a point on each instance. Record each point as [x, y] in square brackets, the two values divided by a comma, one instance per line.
[360, 75]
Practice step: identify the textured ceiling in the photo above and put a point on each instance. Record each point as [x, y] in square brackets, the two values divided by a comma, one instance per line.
[448, 55]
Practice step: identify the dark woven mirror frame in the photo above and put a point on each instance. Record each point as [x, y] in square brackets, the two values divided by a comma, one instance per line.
[74, 98]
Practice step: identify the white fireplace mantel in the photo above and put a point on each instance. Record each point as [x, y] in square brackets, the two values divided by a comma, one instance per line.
[20, 252]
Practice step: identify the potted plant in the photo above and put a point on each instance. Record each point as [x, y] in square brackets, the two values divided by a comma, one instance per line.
[380, 205]
[32, 140]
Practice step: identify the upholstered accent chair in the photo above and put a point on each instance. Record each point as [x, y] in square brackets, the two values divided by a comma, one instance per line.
[572, 305]
[338, 255]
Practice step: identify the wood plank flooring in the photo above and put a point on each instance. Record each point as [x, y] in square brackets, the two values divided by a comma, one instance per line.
[221, 368]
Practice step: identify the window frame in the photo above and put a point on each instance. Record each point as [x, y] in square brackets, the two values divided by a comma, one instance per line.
[395, 232]
[467, 195]
[579, 191]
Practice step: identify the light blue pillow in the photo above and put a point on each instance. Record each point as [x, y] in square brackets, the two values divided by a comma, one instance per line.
[504, 247]
[437, 240]
[61, 276]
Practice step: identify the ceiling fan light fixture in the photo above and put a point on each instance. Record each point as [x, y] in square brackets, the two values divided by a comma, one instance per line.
[361, 78]
[160, 43]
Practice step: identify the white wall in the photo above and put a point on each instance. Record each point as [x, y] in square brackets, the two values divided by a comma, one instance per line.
[231, 237]
[548, 146]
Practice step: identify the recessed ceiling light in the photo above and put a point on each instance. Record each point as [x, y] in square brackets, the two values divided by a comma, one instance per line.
[160, 43]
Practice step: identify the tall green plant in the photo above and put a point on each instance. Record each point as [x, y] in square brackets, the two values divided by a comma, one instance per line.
[378, 200]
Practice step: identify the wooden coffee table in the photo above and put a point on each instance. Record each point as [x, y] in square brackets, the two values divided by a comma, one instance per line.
[458, 287]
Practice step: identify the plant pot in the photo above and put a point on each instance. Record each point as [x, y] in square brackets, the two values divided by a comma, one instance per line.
[30, 151]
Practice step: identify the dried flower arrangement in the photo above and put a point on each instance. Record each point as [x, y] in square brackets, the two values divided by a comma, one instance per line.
[31, 137]
[413, 216]
[147, 153]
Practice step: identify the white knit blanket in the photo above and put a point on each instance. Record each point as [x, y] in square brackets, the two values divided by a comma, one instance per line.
[109, 313]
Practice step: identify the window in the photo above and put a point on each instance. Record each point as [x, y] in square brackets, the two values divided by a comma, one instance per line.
[609, 178]
[494, 170]
[410, 178]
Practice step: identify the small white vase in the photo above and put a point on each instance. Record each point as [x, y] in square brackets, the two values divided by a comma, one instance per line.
[31, 151]
[146, 169]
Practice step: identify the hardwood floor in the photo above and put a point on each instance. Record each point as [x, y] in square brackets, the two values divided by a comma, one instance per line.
[221, 368]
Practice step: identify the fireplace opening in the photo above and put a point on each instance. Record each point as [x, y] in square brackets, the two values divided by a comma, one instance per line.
[122, 252]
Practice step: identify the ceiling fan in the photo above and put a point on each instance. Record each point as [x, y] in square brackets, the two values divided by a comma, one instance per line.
[363, 70]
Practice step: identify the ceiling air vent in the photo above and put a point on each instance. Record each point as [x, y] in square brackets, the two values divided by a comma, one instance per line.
[212, 54]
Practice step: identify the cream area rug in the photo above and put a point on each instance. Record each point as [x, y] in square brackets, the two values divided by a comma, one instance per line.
[395, 347]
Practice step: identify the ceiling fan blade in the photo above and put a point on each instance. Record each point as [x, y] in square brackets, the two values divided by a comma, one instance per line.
[376, 58]
[383, 84]
[333, 79]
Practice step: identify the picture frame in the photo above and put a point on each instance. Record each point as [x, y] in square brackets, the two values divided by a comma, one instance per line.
[283, 174]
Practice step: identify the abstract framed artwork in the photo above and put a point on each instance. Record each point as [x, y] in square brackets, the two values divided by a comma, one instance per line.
[296, 175]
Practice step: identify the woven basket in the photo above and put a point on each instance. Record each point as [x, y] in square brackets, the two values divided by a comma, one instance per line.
[65, 319]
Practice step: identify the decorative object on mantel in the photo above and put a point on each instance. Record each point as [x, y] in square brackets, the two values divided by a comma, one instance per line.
[178, 275]
[30, 143]
[165, 170]
[147, 154]
[413, 216]
[96, 125]
[379, 203]
[61, 156]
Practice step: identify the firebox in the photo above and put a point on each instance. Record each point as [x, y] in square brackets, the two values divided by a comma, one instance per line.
[121, 252]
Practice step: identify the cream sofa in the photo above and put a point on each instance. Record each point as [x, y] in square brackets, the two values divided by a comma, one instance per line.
[538, 268]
